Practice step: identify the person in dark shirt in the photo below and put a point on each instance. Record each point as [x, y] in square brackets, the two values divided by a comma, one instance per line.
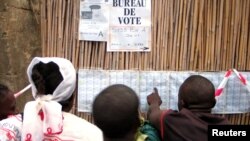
[195, 101]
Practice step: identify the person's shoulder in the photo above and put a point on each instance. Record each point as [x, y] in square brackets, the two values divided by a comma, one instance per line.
[169, 112]
[10, 128]
[75, 120]
[12, 119]
[75, 124]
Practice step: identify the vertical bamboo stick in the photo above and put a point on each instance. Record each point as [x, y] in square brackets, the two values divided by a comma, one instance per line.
[159, 37]
[54, 27]
[49, 28]
[179, 35]
[175, 34]
[190, 33]
[43, 26]
[233, 28]
[229, 45]
[248, 40]
[171, 22]
[59, 35]
[207, 34]
[193, 41]
[213, 30]
[225, 33]
[184, 44]
[165, 62]
[199, 60]
[237, 37]
[219, 33]
[161, 47]
[244, 34]
[75, 32]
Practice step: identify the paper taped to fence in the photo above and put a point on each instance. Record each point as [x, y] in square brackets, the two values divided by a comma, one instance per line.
[130, 25]
[94, 20]
[235, 97]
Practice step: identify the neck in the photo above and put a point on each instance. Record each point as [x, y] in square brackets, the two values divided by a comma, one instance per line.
[201, 110]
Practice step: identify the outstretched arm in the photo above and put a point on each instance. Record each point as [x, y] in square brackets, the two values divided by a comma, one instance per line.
[154, 111]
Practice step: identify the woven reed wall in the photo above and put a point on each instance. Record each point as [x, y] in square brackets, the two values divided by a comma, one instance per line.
[198, 35]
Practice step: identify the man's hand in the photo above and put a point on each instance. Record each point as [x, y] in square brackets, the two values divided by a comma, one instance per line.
[154, 98]
[154, 111]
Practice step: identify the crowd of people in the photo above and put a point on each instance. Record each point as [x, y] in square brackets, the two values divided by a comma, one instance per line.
[116, 111]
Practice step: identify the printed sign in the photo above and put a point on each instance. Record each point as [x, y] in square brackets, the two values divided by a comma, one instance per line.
[130, 25]
[94, 20]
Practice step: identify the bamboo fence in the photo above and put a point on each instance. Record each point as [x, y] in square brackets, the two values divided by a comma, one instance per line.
[198, 35]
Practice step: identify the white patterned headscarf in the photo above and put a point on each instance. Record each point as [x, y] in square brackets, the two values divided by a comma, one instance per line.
[43, 117]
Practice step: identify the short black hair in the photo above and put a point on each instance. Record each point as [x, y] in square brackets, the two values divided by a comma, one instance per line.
[197, 92]
[3, 90]
[7, 102]
[115, 111]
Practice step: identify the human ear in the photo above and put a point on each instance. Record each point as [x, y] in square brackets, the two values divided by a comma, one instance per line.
[181, 104]
[214, 102]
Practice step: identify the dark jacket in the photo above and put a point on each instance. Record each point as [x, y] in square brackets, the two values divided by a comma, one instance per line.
[187, 125]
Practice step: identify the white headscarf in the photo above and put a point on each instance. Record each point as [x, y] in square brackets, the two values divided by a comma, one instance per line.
[36, 124]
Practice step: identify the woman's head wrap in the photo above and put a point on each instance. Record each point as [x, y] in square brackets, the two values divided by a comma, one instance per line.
[43, 116]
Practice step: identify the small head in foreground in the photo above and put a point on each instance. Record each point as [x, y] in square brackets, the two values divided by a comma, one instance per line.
[7, 102]
[197, 93]
[115, 111]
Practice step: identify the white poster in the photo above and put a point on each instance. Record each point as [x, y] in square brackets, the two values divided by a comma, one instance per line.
[130, 25]
[234, 99]
[94, 20]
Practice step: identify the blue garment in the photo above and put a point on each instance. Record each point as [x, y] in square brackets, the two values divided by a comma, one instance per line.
[150, 131]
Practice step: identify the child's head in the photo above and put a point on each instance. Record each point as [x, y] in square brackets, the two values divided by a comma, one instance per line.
[115, 111]
[7, 102]
[196, 92]
[54, 76]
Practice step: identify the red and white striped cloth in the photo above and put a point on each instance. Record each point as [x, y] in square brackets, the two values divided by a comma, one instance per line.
[223, 83]
[242, 79]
